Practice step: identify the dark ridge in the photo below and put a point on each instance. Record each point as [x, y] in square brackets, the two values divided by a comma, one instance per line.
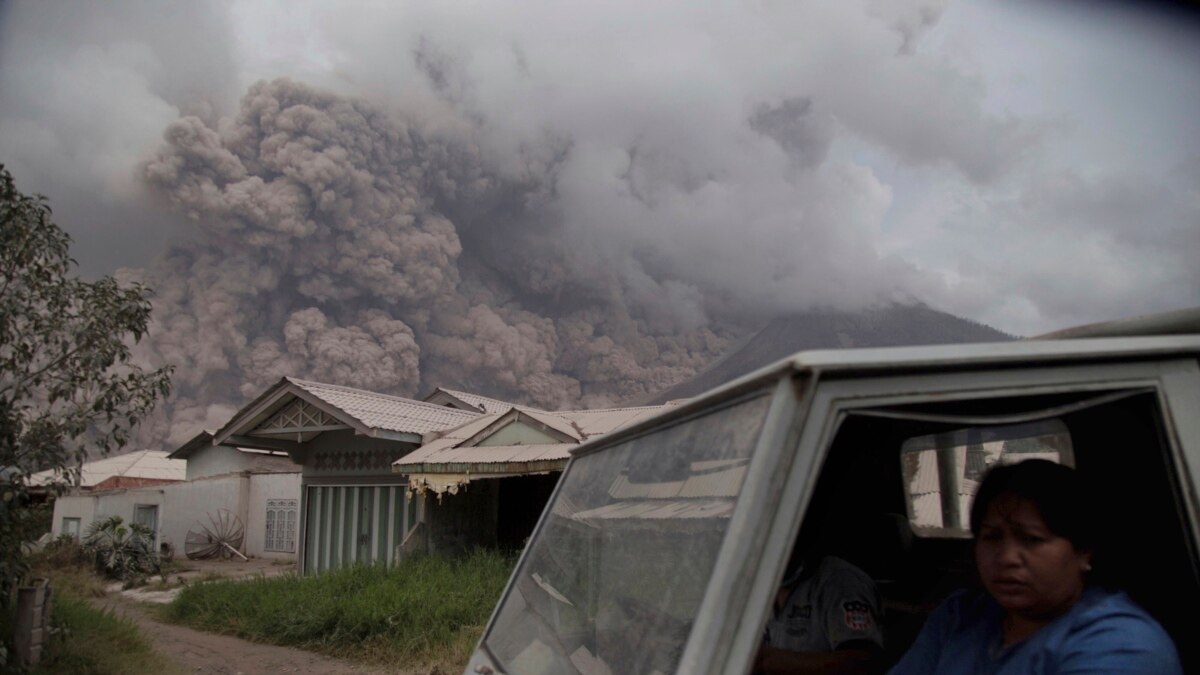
[827, 329]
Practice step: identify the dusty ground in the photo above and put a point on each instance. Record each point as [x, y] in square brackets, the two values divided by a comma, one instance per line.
[198, 652]
[207, 653]
[203, 569]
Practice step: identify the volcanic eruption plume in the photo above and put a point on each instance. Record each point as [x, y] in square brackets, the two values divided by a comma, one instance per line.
[336, 241]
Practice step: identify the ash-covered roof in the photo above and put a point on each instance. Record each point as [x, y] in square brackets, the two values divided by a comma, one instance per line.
[458, 450]
[137, 464]
[319, 407]
[483, 404]
[382, 411]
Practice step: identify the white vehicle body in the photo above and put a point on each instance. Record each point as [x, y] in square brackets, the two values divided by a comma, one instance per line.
[663, 544]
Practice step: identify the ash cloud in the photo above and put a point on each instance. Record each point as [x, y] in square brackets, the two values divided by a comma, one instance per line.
[565, 206]
[321, 248]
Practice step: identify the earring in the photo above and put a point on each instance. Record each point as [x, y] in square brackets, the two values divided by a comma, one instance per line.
[1087, 567]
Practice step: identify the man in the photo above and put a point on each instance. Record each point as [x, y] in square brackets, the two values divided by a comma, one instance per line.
[825, 620]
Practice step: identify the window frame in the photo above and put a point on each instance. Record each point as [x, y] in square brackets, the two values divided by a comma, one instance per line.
[279, 509]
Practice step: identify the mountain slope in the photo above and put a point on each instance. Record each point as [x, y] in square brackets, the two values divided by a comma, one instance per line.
[885, 327]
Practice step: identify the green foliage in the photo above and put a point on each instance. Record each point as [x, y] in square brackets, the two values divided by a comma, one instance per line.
[84, 639]
[68, 383]
[68, 567]
[121, 552]
[63, 552]
[424, 610]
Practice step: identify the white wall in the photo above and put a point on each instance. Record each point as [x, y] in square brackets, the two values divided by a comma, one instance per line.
[83, 508]
[266, 486]
[185, 506]
[192, 503]
[518, 433]
[215, 461]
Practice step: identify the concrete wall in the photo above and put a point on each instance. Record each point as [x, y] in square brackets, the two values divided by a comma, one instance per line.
[263, 487]
[215, 461]
[83, 508]
[189, 505]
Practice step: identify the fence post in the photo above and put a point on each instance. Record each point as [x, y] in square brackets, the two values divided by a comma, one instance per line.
[33, 619]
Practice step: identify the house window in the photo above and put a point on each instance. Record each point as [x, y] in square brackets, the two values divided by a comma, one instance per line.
[70, 526]
[281, 525]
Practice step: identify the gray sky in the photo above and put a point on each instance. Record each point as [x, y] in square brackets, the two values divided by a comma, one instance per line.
[1030, 165]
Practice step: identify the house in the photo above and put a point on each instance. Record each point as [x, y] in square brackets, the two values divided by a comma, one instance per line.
[492, 476]
[134, 469]
[226, 489]
[383, 476]
[353, 507]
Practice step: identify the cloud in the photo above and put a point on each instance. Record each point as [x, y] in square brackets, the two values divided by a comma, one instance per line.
[566, 205]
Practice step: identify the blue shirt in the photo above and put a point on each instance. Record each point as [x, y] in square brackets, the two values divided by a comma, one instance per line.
[1104, 632]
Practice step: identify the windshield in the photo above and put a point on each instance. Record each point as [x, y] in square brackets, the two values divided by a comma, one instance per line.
[614, 578]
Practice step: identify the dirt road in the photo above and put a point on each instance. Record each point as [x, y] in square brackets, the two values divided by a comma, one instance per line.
[207, 653]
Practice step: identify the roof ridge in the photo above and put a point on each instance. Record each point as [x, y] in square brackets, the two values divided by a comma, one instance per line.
[597, 410]
[460, 392]
[393, 397]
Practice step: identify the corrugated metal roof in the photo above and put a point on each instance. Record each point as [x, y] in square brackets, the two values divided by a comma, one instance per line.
[488, 455]
[582, 424]
[603, 421]
[137, 464]
[484, 403]
[382, 411]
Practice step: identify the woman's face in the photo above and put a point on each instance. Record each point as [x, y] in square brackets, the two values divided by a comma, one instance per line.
[1023, 565]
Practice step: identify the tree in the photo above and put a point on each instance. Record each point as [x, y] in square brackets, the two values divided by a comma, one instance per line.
[68, 384]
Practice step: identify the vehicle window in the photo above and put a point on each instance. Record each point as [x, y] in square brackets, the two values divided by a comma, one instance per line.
[614, 579]
[942, 471]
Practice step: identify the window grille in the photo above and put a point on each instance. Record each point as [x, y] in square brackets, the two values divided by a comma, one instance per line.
[281, 525]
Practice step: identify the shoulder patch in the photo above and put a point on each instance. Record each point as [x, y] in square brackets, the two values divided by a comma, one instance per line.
[857, 615]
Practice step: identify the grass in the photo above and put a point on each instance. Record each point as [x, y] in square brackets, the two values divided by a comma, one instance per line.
[68, 568]
[423, 611]
[84, 639]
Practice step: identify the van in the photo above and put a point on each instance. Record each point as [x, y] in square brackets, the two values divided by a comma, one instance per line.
[663, 545]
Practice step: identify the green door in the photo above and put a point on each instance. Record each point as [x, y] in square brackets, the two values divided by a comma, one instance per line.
[352, 524]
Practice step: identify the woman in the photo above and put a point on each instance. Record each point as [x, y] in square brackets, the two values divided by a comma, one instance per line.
[1034, 538]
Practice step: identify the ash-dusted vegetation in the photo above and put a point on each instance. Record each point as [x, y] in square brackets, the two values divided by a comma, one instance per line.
[85, 639]
[423, 611]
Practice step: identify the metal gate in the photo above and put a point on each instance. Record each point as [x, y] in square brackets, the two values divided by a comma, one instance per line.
[348, 524]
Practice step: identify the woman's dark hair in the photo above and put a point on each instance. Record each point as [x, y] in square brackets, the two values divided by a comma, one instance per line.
[1056, 490]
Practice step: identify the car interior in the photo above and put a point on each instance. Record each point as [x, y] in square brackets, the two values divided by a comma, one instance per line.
[1117, 441]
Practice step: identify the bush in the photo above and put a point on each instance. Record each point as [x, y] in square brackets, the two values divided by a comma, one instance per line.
[120, 552]
[64, 552]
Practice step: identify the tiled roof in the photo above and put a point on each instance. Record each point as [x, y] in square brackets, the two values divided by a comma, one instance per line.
[137, 464]
[582, 424]
[381, 411]
[487, 405]
[595, 422]
[492, 454]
